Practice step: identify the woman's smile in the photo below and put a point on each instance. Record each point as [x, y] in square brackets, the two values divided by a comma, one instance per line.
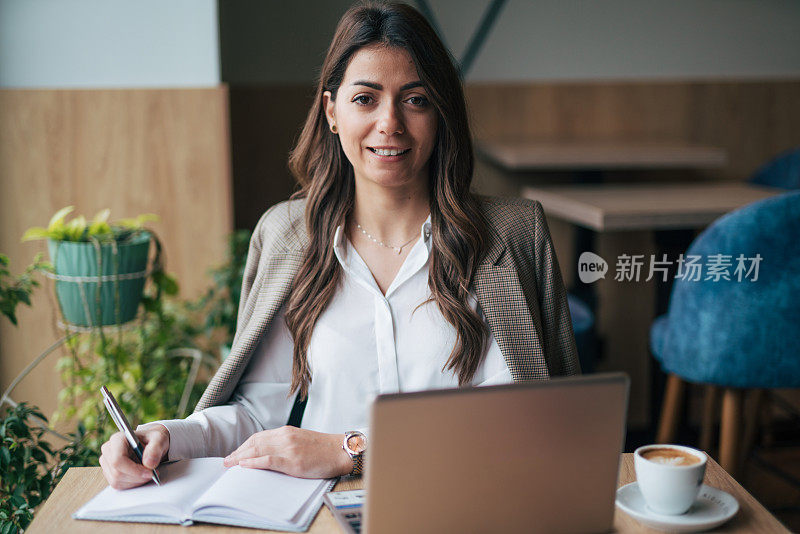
[389, 154]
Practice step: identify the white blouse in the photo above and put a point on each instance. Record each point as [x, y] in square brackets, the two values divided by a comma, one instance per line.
[365, 343]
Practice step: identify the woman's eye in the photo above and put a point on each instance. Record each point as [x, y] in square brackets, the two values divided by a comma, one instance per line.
[362, 100]
[419, 101]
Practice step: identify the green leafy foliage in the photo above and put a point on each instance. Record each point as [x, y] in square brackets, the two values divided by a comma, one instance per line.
[80, 229]
[220, 304]
[16, 290]
[30, 466]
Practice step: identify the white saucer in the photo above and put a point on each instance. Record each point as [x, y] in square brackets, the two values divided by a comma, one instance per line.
[712, 508]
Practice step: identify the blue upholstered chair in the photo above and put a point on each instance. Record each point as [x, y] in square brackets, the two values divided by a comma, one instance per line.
[782, 171]
[732, 334]
[582, 325]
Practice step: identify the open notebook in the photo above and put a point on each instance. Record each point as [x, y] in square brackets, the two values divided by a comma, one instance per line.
[202, 489]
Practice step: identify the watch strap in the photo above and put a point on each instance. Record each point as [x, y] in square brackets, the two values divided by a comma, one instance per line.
[358, 465]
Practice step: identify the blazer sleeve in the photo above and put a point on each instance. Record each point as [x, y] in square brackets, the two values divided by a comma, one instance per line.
[559, 338]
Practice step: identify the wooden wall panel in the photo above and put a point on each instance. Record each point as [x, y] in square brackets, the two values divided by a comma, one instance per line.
[162, 151]
[752, 120]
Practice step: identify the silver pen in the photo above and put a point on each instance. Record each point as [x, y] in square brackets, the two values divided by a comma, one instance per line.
[122, 424]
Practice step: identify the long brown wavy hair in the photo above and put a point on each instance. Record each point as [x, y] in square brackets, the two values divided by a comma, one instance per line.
[327, 183]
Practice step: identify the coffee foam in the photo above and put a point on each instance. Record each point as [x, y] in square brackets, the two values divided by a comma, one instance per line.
[674, 460]
[669, 456]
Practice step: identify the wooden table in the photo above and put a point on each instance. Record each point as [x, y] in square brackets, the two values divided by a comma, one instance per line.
[82, 483]
[530, 155]
[670, 210]
[652, 206]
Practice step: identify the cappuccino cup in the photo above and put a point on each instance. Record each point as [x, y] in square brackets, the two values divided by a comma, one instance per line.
[669, 476]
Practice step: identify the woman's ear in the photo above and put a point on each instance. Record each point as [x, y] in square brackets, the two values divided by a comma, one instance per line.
[328, 103]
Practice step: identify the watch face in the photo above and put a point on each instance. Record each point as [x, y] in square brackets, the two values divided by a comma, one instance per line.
[357, 443]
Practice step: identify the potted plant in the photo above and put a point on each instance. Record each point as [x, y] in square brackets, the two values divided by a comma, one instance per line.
[100, 268]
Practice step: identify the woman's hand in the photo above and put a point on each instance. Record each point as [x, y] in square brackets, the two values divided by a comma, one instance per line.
[294, 451]
[117, 458]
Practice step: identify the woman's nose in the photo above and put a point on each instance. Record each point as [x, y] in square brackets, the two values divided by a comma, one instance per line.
[390, 121]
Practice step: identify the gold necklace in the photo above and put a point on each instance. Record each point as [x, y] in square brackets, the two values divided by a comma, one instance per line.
[399, 249]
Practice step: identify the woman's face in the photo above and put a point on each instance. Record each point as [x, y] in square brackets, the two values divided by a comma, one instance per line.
[385, 122]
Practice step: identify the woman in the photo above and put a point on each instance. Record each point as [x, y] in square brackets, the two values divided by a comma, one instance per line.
[383, 274]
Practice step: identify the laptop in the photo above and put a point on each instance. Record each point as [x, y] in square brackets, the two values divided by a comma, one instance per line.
[535, 457]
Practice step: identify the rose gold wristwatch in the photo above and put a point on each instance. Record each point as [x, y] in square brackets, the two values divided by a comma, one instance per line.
[355, 444]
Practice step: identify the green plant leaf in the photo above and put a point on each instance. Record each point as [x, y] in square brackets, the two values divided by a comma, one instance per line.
[138, 222]
[100, 229]
[35, 233]
[58, 218]
[39, 455]
[102, 216]
[76, 228]
[146, 218]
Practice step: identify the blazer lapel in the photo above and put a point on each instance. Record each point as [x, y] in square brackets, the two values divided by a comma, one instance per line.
[502, 298]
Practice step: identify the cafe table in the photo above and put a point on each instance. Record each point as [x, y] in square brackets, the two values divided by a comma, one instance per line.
[537, 155]
[650, 206]
[82, 483]
[672, 210]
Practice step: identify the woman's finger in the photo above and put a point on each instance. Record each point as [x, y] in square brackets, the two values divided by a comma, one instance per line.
[156, 445]
[248, 449]
[119, 457]
[271, 462]
[234, 457]
[134, 470]
[119, 479]
[242, 452]
[255, 450]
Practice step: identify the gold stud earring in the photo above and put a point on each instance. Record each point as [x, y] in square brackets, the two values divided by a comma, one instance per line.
[333, 128]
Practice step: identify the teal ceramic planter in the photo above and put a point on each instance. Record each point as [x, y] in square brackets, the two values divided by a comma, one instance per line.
[77, 281]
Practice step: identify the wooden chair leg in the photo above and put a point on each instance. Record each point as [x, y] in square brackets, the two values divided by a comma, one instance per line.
[767, 434]
[729, 439]
[671, 409]
[752, 410]
[710, 411]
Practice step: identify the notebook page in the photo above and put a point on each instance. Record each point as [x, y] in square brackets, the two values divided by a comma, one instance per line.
[181, 483]
[306, 514]
[259, 493]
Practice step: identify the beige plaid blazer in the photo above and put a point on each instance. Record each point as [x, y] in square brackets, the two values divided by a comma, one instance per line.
[518, 285]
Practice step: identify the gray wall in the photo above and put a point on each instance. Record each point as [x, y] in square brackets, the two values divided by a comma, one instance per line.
[621, 39]
[152, 43]
[272, 42]
[108, 43]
